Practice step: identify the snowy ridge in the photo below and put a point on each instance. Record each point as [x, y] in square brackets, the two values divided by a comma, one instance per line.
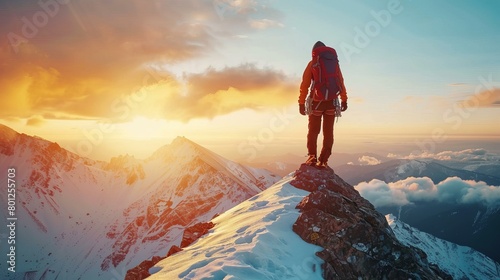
[258, 239]
[459, 261]
[186, 149]
[253, 240]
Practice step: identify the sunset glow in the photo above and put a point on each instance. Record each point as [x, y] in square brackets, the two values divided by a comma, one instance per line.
[105, 78]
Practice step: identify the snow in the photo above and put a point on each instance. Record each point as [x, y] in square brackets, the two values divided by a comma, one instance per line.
[360, 247]
[281, 165]
[253, 240]
[460, 262]
[79, 211]
[411, 165]
[476, 218]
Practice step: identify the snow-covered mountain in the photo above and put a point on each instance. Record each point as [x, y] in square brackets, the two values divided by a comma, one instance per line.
[474, 225]
[256, 240]
[253, 240]
[461, 262]
[85, 219]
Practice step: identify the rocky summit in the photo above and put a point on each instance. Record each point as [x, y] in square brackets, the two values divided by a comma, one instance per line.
[357, 241]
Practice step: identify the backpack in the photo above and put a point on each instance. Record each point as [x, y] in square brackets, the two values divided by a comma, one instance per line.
[325, 75]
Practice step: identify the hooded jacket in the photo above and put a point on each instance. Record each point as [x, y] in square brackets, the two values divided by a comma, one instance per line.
[307, 79]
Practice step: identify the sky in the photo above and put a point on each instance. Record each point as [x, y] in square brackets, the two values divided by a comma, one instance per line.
[106, 78]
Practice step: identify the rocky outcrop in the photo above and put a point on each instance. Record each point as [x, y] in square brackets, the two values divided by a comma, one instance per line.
[142, 270]
[191, 234]
[358, 243]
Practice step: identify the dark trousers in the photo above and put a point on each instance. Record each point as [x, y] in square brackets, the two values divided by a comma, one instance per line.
[326, 112]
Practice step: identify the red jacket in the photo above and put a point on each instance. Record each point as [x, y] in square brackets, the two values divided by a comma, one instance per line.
[306, 82]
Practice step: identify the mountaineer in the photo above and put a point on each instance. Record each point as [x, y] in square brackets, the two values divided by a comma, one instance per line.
[323, 71]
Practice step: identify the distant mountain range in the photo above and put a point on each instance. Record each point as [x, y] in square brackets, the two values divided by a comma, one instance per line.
[459, 261]
[399, 169]
[84, 219]
[285, 164]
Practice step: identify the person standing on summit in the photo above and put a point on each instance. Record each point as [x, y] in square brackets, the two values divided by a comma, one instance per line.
[323, 71]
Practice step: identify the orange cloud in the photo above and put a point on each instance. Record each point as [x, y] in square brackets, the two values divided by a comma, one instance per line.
[84, 59]
[35, 121]
[216, 92]
[483, 99]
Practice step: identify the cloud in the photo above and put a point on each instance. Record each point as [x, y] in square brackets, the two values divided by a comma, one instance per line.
[77, 60]
[357, 100]
[35, 121]
[380, 194]
[484, 99]
[413, 99]
[265, 23]
[462, 156]
[413, 190]
[368, 160]
[463, 98]
[216, 92]
[458, 84]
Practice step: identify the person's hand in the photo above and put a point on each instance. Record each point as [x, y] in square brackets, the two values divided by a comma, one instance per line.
[302, 109]
[343, 106]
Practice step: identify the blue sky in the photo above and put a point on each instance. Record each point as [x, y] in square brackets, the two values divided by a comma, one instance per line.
[411, 68]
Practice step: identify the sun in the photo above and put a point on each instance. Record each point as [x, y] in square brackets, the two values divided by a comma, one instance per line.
[141, 128]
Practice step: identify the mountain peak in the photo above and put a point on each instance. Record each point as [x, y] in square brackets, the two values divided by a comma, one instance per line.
[180, 148]
[356, 238]
[182, 140]
[109, 215]
[336, 234]
[5, 130]
[7, 140]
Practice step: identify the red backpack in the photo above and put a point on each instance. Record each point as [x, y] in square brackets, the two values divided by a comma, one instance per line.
[325, 75]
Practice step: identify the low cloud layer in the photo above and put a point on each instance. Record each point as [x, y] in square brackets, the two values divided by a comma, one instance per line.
[84, 59]
[413, 190]
[368, 160]
[462, 156]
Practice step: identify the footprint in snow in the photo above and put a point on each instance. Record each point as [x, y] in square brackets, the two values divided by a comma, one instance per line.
[248, 238]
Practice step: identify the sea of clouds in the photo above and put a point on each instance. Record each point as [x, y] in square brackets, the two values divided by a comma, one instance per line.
[413, 190]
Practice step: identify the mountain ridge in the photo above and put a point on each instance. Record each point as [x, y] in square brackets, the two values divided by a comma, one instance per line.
[459, 261]
[320, 208]
[111, 215]
[257, 239]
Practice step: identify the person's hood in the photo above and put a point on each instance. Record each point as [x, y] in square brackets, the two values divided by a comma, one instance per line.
[318, 44]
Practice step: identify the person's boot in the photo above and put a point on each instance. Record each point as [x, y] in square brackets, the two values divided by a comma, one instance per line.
[311, 160]
[322, 162]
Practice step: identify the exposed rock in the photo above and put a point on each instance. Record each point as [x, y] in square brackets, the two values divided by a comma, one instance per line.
[358, 243]
[191, 234]
[174, 249]
[142, 270]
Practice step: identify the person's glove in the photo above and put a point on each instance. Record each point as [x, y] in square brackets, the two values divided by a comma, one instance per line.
[343, 106]
[302, 109]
